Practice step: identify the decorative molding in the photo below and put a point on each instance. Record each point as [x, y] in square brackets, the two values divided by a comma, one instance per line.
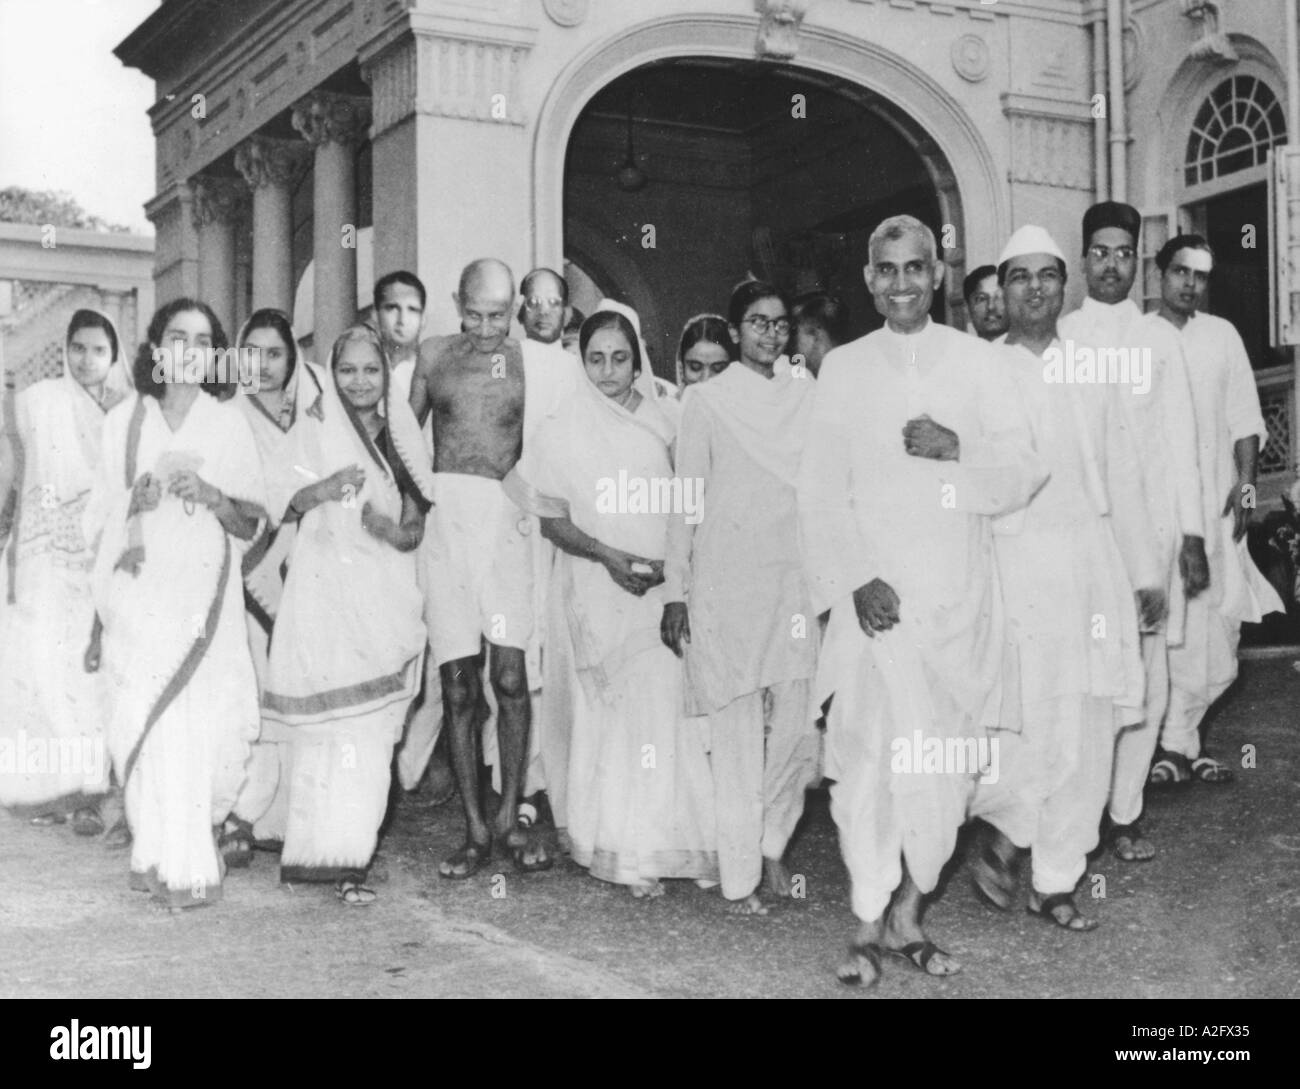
[266, 161]
[970, 57]
[1213, 44]
[445, 67]
[1051, 151]
[778, 28]
[392, 75]
[216, 199]
[566, 12]
[324, 117]
[1051, 141]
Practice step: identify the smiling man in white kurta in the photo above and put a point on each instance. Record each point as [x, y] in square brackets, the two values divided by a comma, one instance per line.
[1072, 625]
[915, 439]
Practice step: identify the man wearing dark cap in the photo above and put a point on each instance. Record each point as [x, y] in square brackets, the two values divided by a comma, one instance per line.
[988, 314]
[1162, 419]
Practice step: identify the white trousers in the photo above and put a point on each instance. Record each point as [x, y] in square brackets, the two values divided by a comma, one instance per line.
[765, 752]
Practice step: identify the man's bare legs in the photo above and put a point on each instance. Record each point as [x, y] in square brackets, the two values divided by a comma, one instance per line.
[514, 715]
[899, 933]
[460, 698]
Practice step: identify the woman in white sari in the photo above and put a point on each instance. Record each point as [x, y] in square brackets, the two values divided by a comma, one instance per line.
[282, 388]
[179, 498]
[349, 637]
[637, 806]
[53, 760]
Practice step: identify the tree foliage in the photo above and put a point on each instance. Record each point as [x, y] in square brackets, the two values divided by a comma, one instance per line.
[19, 205]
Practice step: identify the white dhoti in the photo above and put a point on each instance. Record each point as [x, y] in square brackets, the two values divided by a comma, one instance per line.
[884, 816]
[477, 568]
[1052, 783]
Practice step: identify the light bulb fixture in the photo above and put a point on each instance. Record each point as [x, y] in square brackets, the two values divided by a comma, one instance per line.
[631, 178]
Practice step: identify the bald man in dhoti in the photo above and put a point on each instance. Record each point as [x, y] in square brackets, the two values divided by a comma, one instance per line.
[1230, 432]
[477, 556]
[915, 441]
[1073, 666]
[1110, 340]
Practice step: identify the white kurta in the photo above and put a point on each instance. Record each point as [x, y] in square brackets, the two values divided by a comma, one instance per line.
[1227, 410]
[1073, 660]
[869, 510]
[1164, 430]
[734, 560]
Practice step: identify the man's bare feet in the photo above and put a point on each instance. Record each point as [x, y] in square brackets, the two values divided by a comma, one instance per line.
[467, 861]
[902, 934]
[750, 905]
[1129, 844]
[862, 966]
[1059, 908]
[647, 890]
[776, 878]
[904, 938]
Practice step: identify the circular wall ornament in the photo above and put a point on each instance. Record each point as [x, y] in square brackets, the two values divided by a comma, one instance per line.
[1134, 40]
[566, 12]
[970, 57]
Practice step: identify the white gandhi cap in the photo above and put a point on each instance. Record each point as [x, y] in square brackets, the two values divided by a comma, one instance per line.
[1030, 239]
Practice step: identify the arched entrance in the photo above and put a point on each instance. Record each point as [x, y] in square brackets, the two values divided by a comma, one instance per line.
[774, 190]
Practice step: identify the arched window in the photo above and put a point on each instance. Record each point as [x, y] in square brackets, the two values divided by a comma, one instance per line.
[1234, 128]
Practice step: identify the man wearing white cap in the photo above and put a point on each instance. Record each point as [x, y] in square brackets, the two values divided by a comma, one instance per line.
[1230, 430]
[1158, 408]
[915, 439]
[1074, 668]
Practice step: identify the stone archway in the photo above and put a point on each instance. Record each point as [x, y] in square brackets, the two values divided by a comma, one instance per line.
[956, 156]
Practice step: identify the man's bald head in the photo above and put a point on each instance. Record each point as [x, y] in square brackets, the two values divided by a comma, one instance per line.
[485, 298]
[486, 275]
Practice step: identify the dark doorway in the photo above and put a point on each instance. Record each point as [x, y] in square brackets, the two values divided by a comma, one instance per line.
[778, 173]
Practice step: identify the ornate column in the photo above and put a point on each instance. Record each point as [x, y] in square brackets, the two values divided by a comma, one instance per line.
[333, 124]
[270, 167]
[216, 209]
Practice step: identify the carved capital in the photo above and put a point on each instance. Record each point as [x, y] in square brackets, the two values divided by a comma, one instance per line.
[266, 161]
[778, 27]
[216, 199]
[324, 117]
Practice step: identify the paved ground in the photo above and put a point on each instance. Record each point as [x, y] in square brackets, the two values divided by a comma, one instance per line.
[1216, 915]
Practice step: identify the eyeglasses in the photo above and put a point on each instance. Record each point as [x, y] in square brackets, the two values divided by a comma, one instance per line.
[1121, 253]
[534, 302]
[761, 325]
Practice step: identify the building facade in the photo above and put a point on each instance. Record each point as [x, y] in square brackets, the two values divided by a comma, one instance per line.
[660, 150]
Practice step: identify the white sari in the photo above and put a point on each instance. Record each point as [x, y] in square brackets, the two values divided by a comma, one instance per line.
[347, 651]
[183, 705]
[52, 751]
[262, 801]
[637, 799]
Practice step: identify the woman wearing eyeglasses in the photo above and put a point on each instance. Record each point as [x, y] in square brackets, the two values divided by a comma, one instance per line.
[738, 607]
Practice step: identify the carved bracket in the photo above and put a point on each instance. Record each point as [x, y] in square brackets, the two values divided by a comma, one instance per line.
[1213, 44]
[778, 27]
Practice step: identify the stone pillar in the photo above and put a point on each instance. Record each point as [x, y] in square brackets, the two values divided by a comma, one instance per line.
[333, 124]
[176, 247]
[270, 167]
[216, 211]
[450, 147]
